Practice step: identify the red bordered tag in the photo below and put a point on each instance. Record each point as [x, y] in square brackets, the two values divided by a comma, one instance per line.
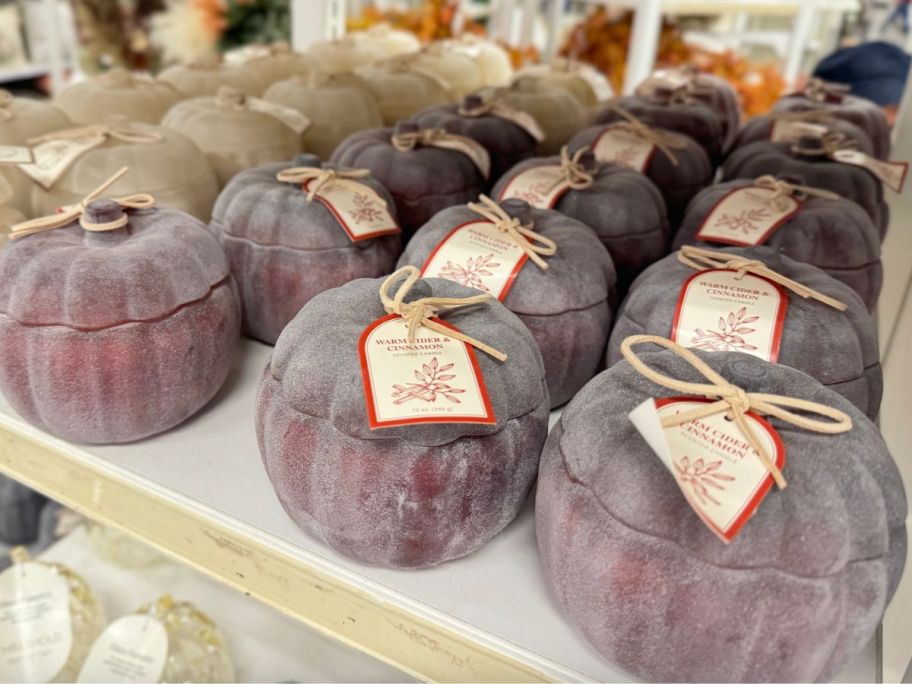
[747, 216]
[432, 379]
[891, 174]
[784, 130]
[719, 473]
[717, 311]
[362, 213]
[540, 186]
[477, 255]
[618, 146]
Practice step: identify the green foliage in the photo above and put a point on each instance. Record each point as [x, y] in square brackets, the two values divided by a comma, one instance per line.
[255, 21]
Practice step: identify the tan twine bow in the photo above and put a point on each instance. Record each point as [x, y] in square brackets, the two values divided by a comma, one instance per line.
[504, 111]
[573, 173]
[783, 188]
[77, 211]
[126, 132]
[704, 259]
[421, 312]
[663, 140]
[819, 90]
[533, 244]
[322, 178]
[6, 105]
[734, 401]
[830, 143]
[437, 137]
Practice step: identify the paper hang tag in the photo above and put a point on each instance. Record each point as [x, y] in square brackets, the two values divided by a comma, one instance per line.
[719, 473]
[288, 116]
[747, 216]
[362, 213]
[540, 186]
[432, 379]
[891, 174]
[785, 131]
[54, 157]
[131, 649]
[625, 148]
[35, 631]
[717, 311]
[477, 255]
[14, 154]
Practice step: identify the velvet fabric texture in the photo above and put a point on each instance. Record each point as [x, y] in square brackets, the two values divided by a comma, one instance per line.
[20, 512]
[407, 496]
[205, 78]
[678, 179]
[279, 66]
[422, 180]
[760, 129]
[135, 328]
[622, 206]
[401, 93]
[117, 93]
[283, 250]
[796, 594]
[835, 235]
[837, 348]
[848, 181]
[568, 308]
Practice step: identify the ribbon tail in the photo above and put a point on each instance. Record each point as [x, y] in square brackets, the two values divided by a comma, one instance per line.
[751, 436]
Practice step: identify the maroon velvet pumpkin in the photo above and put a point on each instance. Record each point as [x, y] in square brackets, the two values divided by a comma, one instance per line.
[135, 328]
[834, 99]
[760, 129]
[815, 169]
[422, 180]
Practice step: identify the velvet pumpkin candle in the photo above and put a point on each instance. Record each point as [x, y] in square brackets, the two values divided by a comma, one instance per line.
[793, 597]
[586, 83]
[400, 91]
[674, 296]
[132, 310]
[492, 60]
[118, 93]
[345, 55]
[411, 492]
[790, 127]
[291, 231]
[622, 206]
[389, 41]
[563, 290]
[425, 170]
[207, 76]
[278, 62]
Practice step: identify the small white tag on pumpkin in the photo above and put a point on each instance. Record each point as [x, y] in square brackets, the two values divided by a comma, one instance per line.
[891, 174]
[477, 255]
[288, 116]
[623, 147]
[15, 154]
[35, 631]
[431, 379]
[54, 157]
[717, 311]
[540, 186]
[131, 649]
[747, 216]
[720, 474]
[785, 131]
[362, 213]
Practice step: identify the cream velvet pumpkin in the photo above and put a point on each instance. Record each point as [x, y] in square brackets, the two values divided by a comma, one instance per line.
[401, 91]
[277, 63]
[345, 54]
[390, 41]
[205, 77]
[117, 92]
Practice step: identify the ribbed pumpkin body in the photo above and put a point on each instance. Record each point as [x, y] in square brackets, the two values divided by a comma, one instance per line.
[400, 93]
[198, 80]
[117, 93]
[493, 61]
[387, 40]
[135, 329]
[760, 129]
[407, 496]
[459, 71]
[793, 597]
[581, 80]
[345, 54]
[284, 250]
[280, 66]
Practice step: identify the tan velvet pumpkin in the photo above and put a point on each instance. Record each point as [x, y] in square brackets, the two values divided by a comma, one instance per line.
[345, 54]
[233, 136]
[162, 162]
[117, 92]
[9, 216]
[460, 72]
[277, 62]
[336, 104]
[401, 92]
[583, 81]
[206, 76]
[390, 41]
[492, 60]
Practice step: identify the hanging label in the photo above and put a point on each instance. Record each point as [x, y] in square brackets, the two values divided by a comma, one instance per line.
[540, 186]
[432, 379]
[717, 311]
[786, 131]
[619, 146]
[719, 472]
[360, 211]
[747, 216]
[54, 157]
[288, 116]
[477, 255]
[891, 174]
[132, 649]
[35, 631]
[14, 154]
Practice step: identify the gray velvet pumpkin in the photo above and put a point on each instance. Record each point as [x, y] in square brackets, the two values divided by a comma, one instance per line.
[837, 348]
[793, 597]
[819, 171]
[44, 531]
[835, 235]
[622, 206]
[568, 308]
[678, 179]
[760, 129]
[20, 512]
[407, 496]
[283, 249]
[422, 180]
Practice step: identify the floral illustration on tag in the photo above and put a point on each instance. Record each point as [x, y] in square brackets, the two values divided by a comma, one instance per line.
[431, 383]
[700, 476]
[534, 194]
[747, 220]
[366, 209]
[625, 156]
[470, 274]
[730, 335]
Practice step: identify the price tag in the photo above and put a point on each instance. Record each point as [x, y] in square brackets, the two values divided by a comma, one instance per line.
[132, 649]
[540, 186]
[747, 216]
